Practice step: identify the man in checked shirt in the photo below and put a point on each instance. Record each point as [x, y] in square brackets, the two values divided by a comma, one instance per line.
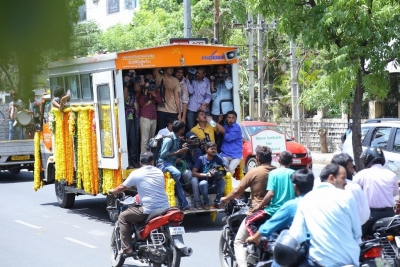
[185, 84]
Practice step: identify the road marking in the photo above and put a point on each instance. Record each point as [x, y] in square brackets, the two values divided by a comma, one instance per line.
[27, 224]
[97, 233]
[76, 226]
[80, 242]
[82, 209]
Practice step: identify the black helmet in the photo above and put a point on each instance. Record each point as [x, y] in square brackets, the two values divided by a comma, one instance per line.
[372, 155]
[248, 118]
[286, 249]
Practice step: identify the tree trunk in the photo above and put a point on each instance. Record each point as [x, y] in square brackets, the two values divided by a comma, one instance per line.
[322, 139]
[356, 116]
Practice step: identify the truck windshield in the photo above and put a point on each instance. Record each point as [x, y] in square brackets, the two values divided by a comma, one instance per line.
[252, 130]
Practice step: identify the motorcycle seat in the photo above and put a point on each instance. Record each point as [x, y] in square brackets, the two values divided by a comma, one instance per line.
[155, 213]
[382, 224]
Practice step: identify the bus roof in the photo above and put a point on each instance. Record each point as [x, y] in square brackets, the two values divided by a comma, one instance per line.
[171, 55]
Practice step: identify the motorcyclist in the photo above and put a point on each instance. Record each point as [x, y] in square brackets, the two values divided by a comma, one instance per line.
[149, 182]
[379, 185]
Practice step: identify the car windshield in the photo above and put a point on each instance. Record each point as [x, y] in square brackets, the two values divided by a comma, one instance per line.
[252, 130]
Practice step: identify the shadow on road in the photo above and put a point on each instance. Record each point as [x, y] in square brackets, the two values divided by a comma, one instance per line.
[7, 177]
[202, 221]
[93, 208]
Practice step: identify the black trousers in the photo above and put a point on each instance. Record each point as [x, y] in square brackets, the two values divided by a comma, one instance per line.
[162, 119]
[376, 215]
[132, 135]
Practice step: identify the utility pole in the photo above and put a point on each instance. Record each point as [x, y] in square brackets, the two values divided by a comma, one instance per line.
[251, 63]
[295, 92]
[187, 19]
[260, 62]
[216, 20]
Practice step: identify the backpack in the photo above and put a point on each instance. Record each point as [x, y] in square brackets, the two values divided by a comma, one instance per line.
[154, 145]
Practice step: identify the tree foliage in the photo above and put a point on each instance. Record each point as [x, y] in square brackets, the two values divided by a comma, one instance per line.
[360, 36]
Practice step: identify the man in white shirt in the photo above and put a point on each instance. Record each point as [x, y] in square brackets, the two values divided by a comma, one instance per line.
[346, 161]
[379, 185]
[329, 215]
[167, 130]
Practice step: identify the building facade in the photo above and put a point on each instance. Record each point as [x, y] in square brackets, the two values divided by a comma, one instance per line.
[108, 12]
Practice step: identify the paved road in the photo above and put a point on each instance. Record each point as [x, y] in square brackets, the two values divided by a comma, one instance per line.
[36, 232]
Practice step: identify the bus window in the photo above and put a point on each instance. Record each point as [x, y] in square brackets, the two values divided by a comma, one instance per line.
[56, 81]
[72, 83]
[86, 86]
[105, 123]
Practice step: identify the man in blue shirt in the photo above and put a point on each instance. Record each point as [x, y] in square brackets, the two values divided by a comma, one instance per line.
[170, 153]
[329, 216]
[303, 182]
[232, 144]
[203, 170]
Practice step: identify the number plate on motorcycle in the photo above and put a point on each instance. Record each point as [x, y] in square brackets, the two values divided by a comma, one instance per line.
[180, 230]
[397, 239]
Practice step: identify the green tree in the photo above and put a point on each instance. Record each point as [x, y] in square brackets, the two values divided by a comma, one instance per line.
[29, 29]
[85, 39]
[359, 36]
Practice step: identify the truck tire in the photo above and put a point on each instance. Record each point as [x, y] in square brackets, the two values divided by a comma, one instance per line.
[65, 200]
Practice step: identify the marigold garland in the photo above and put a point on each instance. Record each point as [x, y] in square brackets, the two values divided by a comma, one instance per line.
[86, 171]
[69, 150]
[108, 182]
[59, 145]
[37, 180]
[79, 167]
[106, 128]
[93, 156]
[213, 216]
[118, 172]
[170, 189]
[228, 183]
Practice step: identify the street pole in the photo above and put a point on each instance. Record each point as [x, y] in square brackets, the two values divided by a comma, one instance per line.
[216, 20]
[187, 19]
[295, 92]
[260, 62]
[251, 63]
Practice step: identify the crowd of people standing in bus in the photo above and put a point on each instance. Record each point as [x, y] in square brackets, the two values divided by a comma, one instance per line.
[175, 101]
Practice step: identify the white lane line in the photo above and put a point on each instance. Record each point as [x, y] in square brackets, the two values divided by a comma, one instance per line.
[97, 233]
[80, 242]
[76, 226]
[27, 224]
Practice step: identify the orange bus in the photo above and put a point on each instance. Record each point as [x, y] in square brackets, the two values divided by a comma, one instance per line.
[83, 150]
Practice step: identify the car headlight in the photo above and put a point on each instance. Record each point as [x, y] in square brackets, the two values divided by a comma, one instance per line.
[309, 153]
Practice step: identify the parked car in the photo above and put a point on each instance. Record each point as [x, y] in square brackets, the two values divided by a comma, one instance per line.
[252, 130]
[382, 133]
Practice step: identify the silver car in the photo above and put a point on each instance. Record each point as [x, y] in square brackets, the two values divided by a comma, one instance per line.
[382, 133]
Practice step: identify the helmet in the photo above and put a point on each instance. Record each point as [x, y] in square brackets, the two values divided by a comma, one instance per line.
[371, 155]
[248, 118]
[286, 249]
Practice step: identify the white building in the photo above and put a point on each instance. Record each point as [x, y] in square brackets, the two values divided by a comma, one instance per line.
[108, 12]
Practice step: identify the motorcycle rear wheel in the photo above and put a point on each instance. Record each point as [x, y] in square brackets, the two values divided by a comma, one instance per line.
[226, 252]
[117, 260]
[174, 254]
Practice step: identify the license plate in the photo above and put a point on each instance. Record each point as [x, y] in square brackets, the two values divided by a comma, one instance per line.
[296, 161]
[180, 230]
[397, 239]
[20, 157]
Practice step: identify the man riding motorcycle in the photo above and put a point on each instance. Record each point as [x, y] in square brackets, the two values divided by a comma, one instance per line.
[379, 185]
[149, 182]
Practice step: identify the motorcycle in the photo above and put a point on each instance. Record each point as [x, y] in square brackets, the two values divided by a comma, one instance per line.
[157, 240]
[257, 255]
[386, 230]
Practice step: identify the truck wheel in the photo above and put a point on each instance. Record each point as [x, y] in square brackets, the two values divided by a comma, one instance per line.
[65, 200]
[251, 164]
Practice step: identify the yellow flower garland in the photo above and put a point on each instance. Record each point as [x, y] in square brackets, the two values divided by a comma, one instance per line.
[86, 171]
[69, 150]
[37, 181]
[108, 182]
[93, 156]
[80, 166]
[170, 189]
[59, 145]
[228, 183]
[118, 172]
[107, 136]
[213, 216]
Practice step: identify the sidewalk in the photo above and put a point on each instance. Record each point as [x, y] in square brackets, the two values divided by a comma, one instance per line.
[321, 158]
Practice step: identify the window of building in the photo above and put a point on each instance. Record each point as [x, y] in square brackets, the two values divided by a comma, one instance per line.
[130, 4]
[82, 12]
[112, 6]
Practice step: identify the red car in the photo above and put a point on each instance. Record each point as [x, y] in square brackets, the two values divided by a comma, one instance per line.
[256, 130]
